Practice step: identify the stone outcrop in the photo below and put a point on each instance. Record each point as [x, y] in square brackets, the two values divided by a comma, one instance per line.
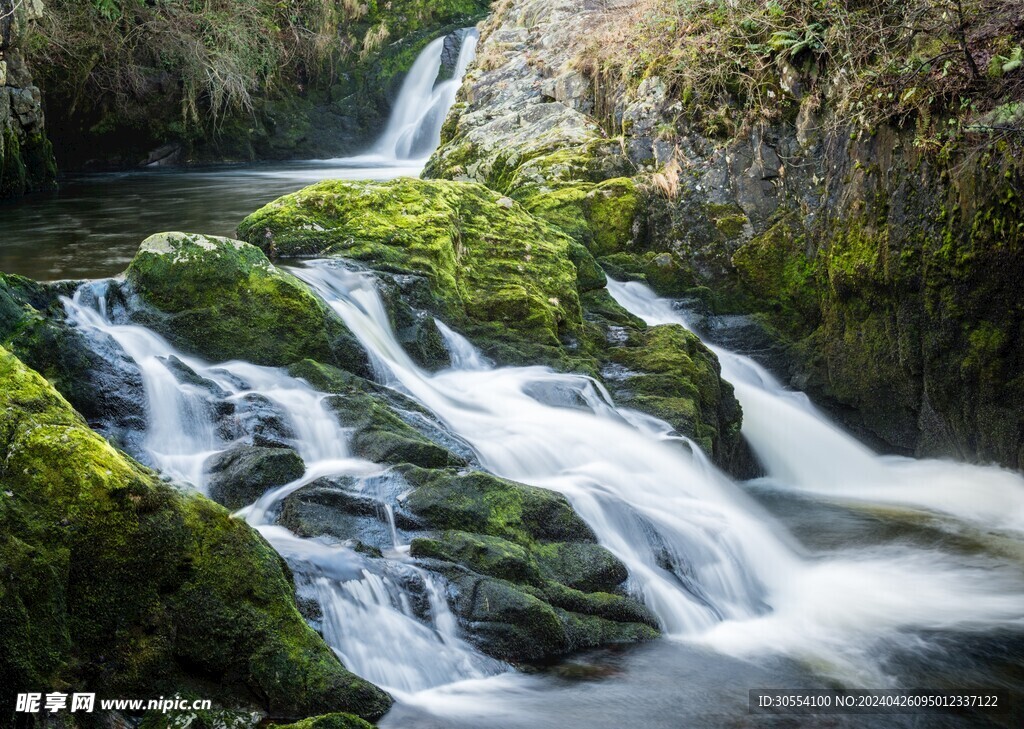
[26, 158]
[885, 278]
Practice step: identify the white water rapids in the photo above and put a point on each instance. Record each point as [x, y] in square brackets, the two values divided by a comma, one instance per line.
[714, 567]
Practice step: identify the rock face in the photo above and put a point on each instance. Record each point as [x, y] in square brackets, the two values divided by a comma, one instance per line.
[114, 582]
[26, 157]
[242, 473]
[888, 276]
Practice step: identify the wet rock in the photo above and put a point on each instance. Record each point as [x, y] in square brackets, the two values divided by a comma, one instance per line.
[263, 421]
[485, 504]
[450, 53]
[337, 508]
[243, 473]
[483, 554]
[581, 566]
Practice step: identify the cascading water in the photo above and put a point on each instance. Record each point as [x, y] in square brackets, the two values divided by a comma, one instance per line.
[414, 129]
[368, 617]
[701, 554]
[801, 448]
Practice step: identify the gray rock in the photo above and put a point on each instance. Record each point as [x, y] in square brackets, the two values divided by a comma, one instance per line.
[243, 473]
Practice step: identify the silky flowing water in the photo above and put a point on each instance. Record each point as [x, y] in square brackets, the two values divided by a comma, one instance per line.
[840, 567]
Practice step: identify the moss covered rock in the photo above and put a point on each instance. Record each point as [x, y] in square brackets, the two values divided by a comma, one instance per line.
[223, 299]
[485, 504]
[602, 216]
[489, 261]
[531, 582]
[114, 582]
[676, 378]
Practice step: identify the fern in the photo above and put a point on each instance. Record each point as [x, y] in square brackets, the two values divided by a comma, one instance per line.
[109, 9]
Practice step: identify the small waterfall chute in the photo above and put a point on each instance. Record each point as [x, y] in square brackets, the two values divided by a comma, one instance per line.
[414, 128]
[367, 612]
[803, 449]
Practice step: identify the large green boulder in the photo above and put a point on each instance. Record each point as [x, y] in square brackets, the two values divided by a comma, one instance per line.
[490, 263]
[114, 582]
[222, 299]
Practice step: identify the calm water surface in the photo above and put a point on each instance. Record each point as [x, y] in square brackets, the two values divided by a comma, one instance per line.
[92, 227]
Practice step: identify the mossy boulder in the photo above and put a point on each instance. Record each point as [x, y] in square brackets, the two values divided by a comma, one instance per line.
[675, 377]
[483, 554]
[112, 581]
[485, 504]
[489, 262]
[530, 581]
[222, 299]
[243, 473]
[581, 566]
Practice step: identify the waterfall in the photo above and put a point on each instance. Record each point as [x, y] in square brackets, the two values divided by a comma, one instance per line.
[368, 616]
[711, 564]
[414, 129]
[802, 449]
[715, 568]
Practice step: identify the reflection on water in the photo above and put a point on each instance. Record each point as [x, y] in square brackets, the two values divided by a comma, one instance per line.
[93, 226]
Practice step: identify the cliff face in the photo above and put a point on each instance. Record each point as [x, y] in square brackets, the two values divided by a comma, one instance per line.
[26, 159]
[882, 263]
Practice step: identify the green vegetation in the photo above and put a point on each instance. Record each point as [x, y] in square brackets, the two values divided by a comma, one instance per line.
[538, 584]
[225, 75]
[222, 299]
[924, 60]
[488, 260]
[114, 582]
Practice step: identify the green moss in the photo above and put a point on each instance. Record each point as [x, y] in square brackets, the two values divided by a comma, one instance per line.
[488, 261]
[530, 558]
[581, 566]
[484, 504]
[483, 554]
[223, 299]
[601, 216]
[775, 268]
[113, 582]
[730, 220]
[12, 167]
[678, 379]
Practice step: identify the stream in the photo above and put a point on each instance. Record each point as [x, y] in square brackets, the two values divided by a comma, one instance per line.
[840, 567]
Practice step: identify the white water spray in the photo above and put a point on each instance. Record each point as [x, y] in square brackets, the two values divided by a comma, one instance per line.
[803, 449]
[711, 564]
